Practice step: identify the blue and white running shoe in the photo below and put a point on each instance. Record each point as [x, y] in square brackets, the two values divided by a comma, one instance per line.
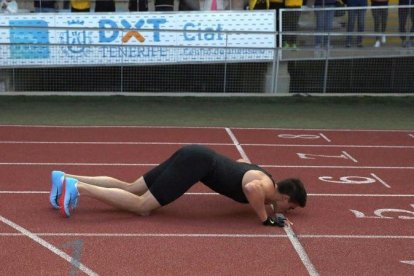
[58, 178]
[69, 198]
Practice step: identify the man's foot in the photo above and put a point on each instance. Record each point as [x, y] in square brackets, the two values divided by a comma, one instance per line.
[58, 178]
[69, 198]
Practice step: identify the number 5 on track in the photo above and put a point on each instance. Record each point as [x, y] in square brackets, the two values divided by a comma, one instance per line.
[379, 214]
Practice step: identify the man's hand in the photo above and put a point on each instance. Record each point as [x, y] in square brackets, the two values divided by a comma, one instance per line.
[277, 221]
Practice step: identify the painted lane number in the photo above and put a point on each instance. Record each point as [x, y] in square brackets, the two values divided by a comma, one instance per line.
[300, 136]
[380, 214]
[344, 155]
[304, 136]
[77, 246]
[354, 180]
[348, 179]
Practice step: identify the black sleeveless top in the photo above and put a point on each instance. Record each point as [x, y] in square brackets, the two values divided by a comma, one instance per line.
[226, 175]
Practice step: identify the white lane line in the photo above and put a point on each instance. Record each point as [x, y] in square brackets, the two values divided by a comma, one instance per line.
[288, 230]
[324, 137]
[155, 164]
[324, 129]
[73, 164]
[216, 194]
[202, 127]
[49, 246]
[154, 235]
[237, 144]
[363, 195]
[408, 262]
[201, 143]
[111, 143]
[24, 192]
[411, 135]
[208, 235]
[112, 126]
[307, 236]
[339, 167]
[380, 180]
[320, 195]
[329, 146]
[300, 250]
[349, 156]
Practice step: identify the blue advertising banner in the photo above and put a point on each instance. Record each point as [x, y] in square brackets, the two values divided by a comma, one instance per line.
[136, 38]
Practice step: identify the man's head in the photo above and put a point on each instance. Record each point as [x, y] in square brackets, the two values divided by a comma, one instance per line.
[295, 191]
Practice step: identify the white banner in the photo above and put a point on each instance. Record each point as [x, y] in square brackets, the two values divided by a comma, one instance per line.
[136, 38]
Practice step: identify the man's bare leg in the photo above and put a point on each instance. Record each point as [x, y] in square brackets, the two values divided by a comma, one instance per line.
[138, 187]
[120, 198]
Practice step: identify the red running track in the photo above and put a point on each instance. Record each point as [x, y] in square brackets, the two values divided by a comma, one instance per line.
[359, 219]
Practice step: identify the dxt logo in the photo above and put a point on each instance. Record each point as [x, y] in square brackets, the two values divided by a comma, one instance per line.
[109, 30]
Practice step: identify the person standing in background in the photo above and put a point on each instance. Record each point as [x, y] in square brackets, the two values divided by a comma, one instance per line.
[104, 6]
[380, 16]
[138, 5]
[324, 21]
[44, 6]
[8, 6]
[259, 4]
[403, 15]
[277, 5]
[213, 5]
[164, 5]
[356, 15]
[291, 20]
[189, 5]
[80, 5]
[237, 4]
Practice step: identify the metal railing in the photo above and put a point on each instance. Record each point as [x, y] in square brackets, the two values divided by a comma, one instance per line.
[305, 67]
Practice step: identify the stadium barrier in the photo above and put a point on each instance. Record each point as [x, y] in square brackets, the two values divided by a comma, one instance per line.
[238, 52]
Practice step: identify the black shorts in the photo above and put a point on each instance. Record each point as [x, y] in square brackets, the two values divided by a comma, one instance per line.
[172, 178]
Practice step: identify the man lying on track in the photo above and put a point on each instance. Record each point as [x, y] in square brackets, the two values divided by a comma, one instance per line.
[238, 180]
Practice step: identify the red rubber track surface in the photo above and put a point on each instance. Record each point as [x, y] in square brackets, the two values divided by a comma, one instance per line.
[359, 219]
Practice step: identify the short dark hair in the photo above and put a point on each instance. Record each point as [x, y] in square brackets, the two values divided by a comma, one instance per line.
[294, 188]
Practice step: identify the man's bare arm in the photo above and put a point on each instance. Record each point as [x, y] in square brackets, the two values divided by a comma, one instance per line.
[256, 197]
